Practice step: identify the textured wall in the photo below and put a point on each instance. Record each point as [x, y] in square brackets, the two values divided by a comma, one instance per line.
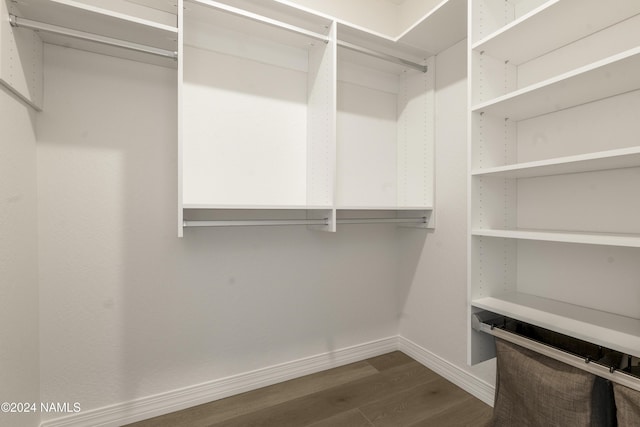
[19, 371]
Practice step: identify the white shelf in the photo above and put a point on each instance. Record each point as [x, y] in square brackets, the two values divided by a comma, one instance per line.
[537, 71]
[608, 239]
[522, 39]
[384, 208]
[603, 160]
[609, 77]
[303, 207]
[440, 29]
[95, 20]
[609, 330]
[255, 207]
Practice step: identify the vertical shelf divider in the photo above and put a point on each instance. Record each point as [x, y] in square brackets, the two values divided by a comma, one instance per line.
[321, 125]
[180, 135]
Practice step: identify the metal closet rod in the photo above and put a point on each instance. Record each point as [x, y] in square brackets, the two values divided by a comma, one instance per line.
[383, 56]
[585, 364]
[304, 32]
[324, 221]
[18, 22]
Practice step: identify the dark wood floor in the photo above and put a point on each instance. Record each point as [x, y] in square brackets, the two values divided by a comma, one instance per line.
[389, 390]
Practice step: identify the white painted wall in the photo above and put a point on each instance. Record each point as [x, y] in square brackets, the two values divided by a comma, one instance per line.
[434, 315]
[19, 371]
[128, 309]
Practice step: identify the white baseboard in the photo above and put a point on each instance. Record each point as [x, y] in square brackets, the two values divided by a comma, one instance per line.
[175, 400]
[164, 403]
[463, 379]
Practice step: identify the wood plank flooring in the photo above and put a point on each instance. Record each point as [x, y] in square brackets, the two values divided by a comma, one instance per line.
[388, 390]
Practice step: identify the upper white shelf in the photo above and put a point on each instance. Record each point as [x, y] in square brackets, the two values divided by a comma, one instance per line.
[611, 76]
[564, 21]
[606, 329]
[306, 207]
[608, 239]
[83, 17]
[602, 160]
[384, 208]
[253, 207]
[379, 43]
[168, 6]
[441, 28]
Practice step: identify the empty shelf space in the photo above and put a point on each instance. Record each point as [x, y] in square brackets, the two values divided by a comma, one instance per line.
[86, 18]
[522, 39]
[611, 76]
[609, 239]
[609, 330]
[603, 160]
[441, 28]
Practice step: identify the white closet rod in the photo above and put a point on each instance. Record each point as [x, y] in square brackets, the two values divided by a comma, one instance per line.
[41, 26]
[616, 376]
[279, 222]
[302, 31]
[420, 220]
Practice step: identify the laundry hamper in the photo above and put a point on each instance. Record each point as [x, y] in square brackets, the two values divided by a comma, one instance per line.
[627, 406]
[534, 390]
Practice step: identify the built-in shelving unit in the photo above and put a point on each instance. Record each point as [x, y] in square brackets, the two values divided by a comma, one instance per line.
[341, 119]
[554, 168]
[280, 108]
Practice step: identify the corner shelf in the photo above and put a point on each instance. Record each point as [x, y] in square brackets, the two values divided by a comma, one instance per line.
[522, 40]
[621, 73]
[591, 162]
[606, 329]
[441, 28]
[607, 239]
